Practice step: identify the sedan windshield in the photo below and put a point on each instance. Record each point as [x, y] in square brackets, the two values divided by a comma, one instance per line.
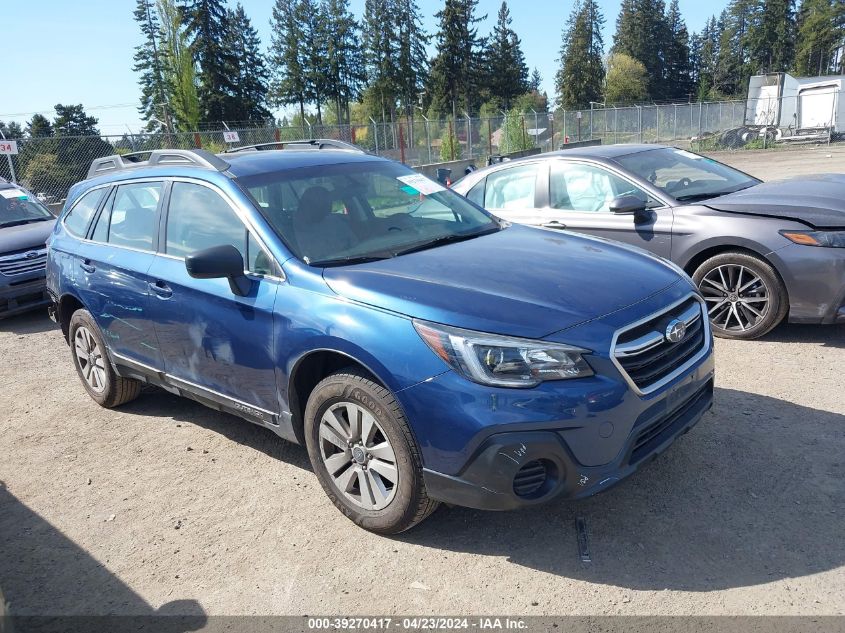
[333, 215]
[16, 207]
[686, 176]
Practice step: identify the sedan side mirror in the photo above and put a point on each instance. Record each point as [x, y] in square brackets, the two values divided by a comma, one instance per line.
[218, 262]
[627, 204]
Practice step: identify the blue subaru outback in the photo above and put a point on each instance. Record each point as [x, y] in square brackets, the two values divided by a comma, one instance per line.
[423, 350]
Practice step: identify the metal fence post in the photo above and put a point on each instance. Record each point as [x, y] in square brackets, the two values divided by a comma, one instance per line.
[11, 164]
[700, 109]
[657, 119]
[375, 133]
[469, 133]
[427, 136]
[564, 127]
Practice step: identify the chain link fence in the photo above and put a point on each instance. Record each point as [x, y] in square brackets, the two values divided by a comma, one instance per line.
[48, 166]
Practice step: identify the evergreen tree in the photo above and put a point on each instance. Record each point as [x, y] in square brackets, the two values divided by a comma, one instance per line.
[249, 73]
[39, 126]
[205, 25]
[454, 80]
[179, 69]
[708, 58]
[820, 30]
[536, 81]
[313, 53]
[289, 83]
[412, 63]
[380, 56]
[733, 67]
[154, 108]
[642, 33]
[676, 55]
[344, 61]
[581, 75]
[507, 73]
[771, 37]
[71, 120]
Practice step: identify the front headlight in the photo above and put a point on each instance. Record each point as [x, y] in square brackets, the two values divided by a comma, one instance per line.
[502, 361]
[834, 239]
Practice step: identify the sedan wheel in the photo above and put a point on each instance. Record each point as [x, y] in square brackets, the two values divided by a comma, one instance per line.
[745, 297]
[89, 357]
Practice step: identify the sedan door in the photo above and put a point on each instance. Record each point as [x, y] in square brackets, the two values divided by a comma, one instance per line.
[579, 200]
[213, 340]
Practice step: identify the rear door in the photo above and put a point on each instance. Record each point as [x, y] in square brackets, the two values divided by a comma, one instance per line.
[515, 192]
[579, 197]
[210, 337]
[113, 267]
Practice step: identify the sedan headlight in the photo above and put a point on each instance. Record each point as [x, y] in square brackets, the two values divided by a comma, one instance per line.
[502, 361]
[835, 239]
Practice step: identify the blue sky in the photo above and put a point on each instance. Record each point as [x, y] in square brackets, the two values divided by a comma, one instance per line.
[81, 52]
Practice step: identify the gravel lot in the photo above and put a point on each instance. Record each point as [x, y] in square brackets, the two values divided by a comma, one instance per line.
[166, 506]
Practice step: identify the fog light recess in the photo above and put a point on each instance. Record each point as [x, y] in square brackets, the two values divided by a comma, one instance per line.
[534, 479]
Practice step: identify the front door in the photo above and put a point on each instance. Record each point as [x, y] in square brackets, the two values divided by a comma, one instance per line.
[579, 200]
[210, 337]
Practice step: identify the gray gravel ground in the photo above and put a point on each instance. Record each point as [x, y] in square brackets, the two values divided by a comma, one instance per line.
[166, 506]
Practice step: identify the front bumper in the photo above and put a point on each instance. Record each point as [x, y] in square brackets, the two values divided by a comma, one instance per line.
[490, 479]
[22, 297]
[815, 282]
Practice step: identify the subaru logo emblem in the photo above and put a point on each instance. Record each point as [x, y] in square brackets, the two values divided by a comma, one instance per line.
[31, 254]
[675, 331]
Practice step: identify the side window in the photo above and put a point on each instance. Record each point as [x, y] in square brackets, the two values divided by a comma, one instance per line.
[133, 214]
[511, 188]
[76, 221]
[476, 194]
[101, 229]
[257, 260]
[579, 187]
[199, 218]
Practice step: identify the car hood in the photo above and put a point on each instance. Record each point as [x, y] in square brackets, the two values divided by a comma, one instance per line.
[818, 201]
[519, 281]
[17, 238]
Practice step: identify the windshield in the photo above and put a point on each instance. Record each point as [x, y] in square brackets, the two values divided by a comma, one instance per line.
[685, 176]
[340, 214]
[17, 207]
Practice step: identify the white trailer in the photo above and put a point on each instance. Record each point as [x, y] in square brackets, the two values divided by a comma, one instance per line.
[796, 106]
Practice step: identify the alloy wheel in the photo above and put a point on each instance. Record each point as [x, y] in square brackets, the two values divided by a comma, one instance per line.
[358, 456]
[90, 359]
[737, 297]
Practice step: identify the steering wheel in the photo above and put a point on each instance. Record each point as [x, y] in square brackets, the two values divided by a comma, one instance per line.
[685, 182]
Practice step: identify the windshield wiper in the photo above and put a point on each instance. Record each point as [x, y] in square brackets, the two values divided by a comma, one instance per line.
[352, 259]
[710, 194]
[446, 239]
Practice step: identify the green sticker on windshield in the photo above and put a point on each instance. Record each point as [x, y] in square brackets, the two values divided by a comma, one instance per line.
[13, 194]
[410, 190]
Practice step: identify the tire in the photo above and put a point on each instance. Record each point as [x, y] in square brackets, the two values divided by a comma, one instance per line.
[360, 483]
[90, 357]
[762, 303]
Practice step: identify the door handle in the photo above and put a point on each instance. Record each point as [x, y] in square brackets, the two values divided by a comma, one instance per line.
[85, 265]
[554, 224]
[161, 289]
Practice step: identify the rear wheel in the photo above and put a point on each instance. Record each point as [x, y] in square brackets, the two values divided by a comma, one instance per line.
[364, 455]
[745, 297]
[92, 364]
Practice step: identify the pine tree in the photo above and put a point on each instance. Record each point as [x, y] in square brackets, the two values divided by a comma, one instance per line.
[289, 82]
[733, 63]
[412, 61]
[249, 72]
[708, 58]
[507, 73]
[642, 33]
[581, 75]
[676, 55]
[771, 37]
[536, 80]
[205, 25]
[154, 107]
[181, 81]
[344, 61]
[39, 126]
[312, 50]
[454, 79]
[820, 30]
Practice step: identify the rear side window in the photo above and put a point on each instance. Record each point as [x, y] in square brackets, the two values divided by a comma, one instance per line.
[199, 218]
[133, 214]
[77, 220]
[511, 188]
[476, 194]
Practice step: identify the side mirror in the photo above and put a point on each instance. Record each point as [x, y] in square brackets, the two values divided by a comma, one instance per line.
[627, 205]
[218, 262]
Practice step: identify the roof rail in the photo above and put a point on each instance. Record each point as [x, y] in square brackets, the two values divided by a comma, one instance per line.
[156, 157]
[313, 143]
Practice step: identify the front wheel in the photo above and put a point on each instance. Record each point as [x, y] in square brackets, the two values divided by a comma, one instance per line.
[745, 297]
[364, 454]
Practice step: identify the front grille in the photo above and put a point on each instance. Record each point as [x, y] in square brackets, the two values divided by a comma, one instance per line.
[648, 358]
[652, 436]
[530, 478]
[21, 262]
